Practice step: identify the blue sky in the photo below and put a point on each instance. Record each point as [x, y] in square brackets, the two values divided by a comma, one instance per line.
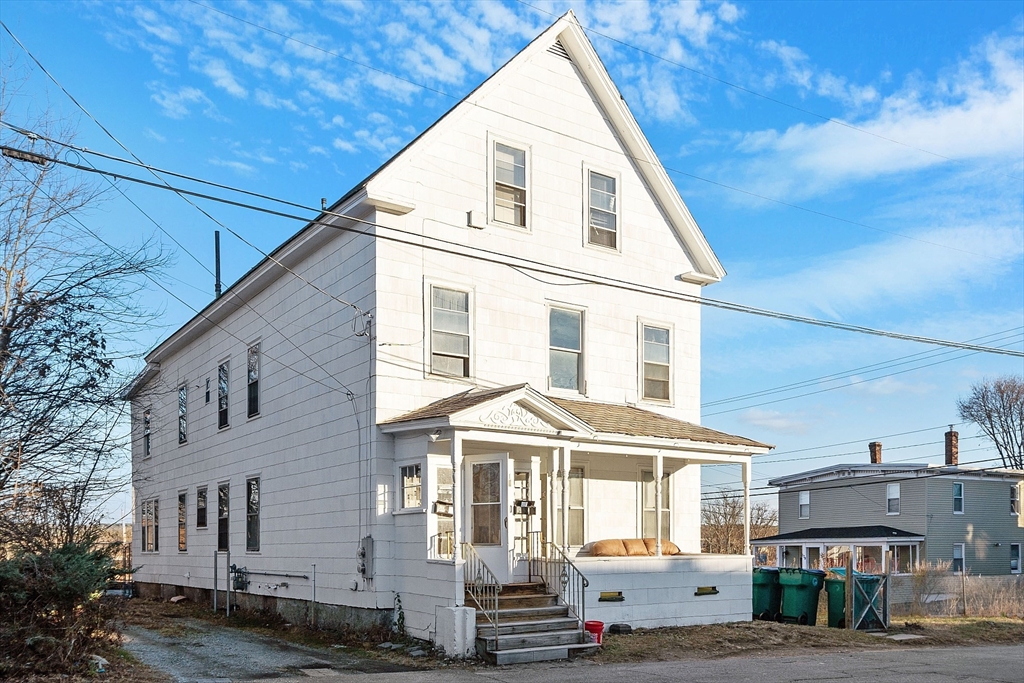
[910, 211]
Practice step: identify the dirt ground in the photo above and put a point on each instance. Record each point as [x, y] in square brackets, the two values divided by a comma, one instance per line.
[157, 624]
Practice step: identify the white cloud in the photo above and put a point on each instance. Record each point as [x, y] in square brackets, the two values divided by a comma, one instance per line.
[177, 104]
[317, 149]
[885, 386]
[236, 166]
[343, 145]
[792, 423]
[153, 24]
[267, 99]
[153, 135]
[220, 74]
[729, 13]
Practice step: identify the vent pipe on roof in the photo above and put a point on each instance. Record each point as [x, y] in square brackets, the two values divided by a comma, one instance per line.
[875, 449]
[952, 447]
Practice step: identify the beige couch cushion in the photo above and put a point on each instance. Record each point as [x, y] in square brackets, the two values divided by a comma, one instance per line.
[610, 547]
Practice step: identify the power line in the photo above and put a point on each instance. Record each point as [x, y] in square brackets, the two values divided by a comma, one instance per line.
[490, 256]
[748, 91]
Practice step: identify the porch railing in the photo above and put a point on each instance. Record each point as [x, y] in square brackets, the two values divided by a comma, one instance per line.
[548, 563]
[442, 546]
[482, 586]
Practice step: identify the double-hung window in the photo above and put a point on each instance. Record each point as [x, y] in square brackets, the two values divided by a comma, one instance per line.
[449, 332]
[892, 499]
[958, 558]
[657, 363]
[603, 222]
[412, 487]
[150, 526]
[509, 185]
[223, 508]
[804, 505]
[958, 498]
[252, 514]
[1014, 499]
[252, 377]
[182, 524]
[201, 508]
[183, 413]
[565, 329]
[1015, 558]
[577, 509]
[650, 507]
[222, 395]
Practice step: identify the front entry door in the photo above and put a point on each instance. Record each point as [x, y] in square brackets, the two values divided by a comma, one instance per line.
[488, 511]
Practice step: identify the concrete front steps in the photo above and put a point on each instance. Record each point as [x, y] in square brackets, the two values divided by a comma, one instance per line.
[532, 627]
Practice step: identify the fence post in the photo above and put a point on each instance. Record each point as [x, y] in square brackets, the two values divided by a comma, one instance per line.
[850, 584]
[963, 587]
[227, 584]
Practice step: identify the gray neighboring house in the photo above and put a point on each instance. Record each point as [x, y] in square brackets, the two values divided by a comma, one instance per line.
[895, 516]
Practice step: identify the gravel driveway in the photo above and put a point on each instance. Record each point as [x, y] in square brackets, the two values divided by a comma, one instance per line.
[194, 650]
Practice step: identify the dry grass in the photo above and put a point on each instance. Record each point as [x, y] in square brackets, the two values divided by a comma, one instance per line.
[123, 668]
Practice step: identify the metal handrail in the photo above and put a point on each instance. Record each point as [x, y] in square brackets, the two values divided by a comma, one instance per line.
[442, 546]
[482, 586]
[552, 566]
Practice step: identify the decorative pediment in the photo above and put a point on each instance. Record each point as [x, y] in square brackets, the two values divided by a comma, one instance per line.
[515, 416]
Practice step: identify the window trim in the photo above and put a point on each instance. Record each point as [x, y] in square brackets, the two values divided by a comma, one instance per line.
[1015, 490]
[493, 140]
[587, 170]
[666, 481]
[182, 521]
[226, 363]
[206, 507]
[249, 415]
[799, 505]
[960, 497]
[899, 495]
[1020, 560]
[581, 389]
[963, 558]
[641, 324]
[249, 548]
[401, 507]
[183, 414]
[428, 326]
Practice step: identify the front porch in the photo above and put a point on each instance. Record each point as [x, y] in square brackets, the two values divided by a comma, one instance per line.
[522, 485]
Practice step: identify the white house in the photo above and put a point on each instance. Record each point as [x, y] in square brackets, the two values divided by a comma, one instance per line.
[491, 329]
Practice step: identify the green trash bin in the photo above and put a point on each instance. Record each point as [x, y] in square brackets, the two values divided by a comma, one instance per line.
[800, 589]
[767, 594]
[835, 589]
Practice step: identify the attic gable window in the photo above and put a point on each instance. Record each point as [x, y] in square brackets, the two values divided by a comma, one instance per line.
[253, 381]
[222, 395]
[509, 185]
[603, 211]
[183, 413]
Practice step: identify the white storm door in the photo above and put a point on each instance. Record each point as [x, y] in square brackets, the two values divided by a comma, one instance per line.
[487, 500]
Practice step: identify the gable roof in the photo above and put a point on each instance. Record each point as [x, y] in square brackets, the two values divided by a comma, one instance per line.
[841, 474]
[566, 32]
[590, 417]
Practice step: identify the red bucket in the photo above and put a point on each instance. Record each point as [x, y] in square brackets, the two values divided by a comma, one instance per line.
[594, 630]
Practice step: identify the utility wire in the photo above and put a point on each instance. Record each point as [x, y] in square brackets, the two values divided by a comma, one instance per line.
[497, 258]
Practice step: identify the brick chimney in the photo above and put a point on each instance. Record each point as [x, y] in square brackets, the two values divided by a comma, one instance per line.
[875, 449]
[952, 447]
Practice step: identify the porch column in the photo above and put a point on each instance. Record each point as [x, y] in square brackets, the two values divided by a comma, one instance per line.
[566, 463]
[457, 516]
[746, 506]
[659, 466]
[551, 516]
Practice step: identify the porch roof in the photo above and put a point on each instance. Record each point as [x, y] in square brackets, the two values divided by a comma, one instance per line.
[842, 533]
[599, 418]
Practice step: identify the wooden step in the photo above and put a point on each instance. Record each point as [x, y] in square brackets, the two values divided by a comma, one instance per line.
[538, 654]
[524, 588]
[535, 640]
[485, 629]
[525, 614]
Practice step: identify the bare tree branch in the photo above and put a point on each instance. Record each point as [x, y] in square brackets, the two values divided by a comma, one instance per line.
[997, 407]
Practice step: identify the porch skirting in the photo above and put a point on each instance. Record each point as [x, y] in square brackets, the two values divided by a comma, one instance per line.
[293, 610]
[679, 590]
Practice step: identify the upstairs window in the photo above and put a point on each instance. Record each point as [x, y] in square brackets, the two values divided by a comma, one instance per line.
[252, 514]
[449, 332]
[1014, 499]
[603, 211]
[182, 526]
[222, 395]
[566, 349]
[412, 487]
[958, 498]
[183, 413]
[804, 505]
[657, 364]
[509, 185]
[252, 376]
[892, 499]
[147, 426]
[201, 508]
